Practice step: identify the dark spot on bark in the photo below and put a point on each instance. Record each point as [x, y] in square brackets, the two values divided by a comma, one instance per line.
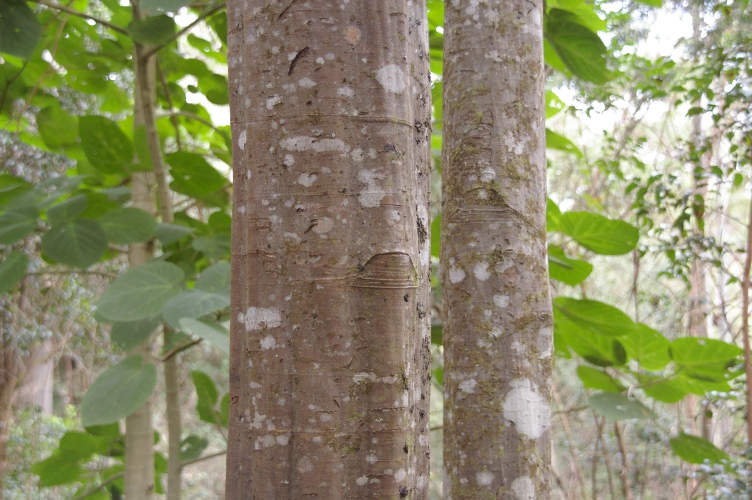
[405, 448]
[422, 413]
[421, 312]
[308, 103]
[343, 191]
[422, 233]
[315, 315]
[406, 297]
[404, 491]
[234, 400]
[389, 148]
[302, 53]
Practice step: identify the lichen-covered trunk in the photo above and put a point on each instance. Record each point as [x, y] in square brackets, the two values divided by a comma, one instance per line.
[498, 322]
[330, 358]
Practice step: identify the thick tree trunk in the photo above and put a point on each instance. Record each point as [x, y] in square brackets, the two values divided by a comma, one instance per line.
[329, 366]
[497, 330]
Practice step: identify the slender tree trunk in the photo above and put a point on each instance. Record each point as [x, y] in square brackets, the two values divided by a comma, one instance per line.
[329, 364]
[498, 335]
[9, 365]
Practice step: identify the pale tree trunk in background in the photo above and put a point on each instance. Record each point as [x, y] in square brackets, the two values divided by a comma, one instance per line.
[37, 385]
[498, 321]
[9, 366]
[329, 365]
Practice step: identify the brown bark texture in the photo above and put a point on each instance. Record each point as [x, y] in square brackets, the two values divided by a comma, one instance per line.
[329, 364]
[497, 307]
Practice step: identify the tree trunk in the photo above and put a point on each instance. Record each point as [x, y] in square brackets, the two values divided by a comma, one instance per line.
[497, 330]
[329, 365]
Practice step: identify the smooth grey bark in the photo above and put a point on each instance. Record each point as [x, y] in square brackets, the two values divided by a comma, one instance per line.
[330, 347]
[497, 308]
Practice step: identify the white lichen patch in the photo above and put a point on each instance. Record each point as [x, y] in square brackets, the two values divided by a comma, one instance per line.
[304, 465]
[361, 481]
[307, 180]
[484, 478]
[422, 482]
[323, 225]
[363, 376]
[513, 146]
[523, 489]
[273, 101]
[372, 195]
[468, 386]
[283, 439]
[527, 409]
[268, 342]
[289, 161]
[305, 143]
[494, 56]
[456, 274]
[488, 174]
[371, 459]
[241, 140]
[392, 78]
[481, 271]
[306, 82]
[258, 318]
[496, 332]
[400, 475]
[545, 343]
[501, 300]
[345, 91]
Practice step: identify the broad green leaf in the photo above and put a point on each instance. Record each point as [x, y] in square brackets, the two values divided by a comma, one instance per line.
[131, 334]
[561, 143]
[598, 233]
[600, 350]
[19, 29]
[224, 407]
[141, 292]
[141, 145]
[80, 243]
[192, 447]
[704, 359]
[651, 3]
[155, 30]
[76, 445]
[12, 270]
[170, 233]
[68, 210]
[553, 104]
[57, 470]
[648, 347]
[594, 316]
[617, 406]
[217, 246]
[15, 226]
[581, 50]
[192, 304]
[119, 391]
[565, 269]
[195, 177]
[207, 397]
[208, 330]
[57, 128]
[592, 378]
[215, 279]
[665, 390]
[584, 12]
[12, 186]
[106, 147]
[436, 236]
[157, 7]
[437, 334]
[696, 450]
[553, 215]
[128, 225]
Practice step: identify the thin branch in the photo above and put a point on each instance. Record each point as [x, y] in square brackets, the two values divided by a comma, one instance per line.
[168, 97]
[178, 349]
[192, 116]
[180, 33]
[83, 15]
[745, 325]
[201, 459]
[74, 271]
[103, 484]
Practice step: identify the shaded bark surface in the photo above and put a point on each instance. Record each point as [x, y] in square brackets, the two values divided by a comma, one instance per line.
[329, 364]
[498, 321]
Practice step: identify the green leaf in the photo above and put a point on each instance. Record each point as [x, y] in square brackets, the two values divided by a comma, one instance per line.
[80, 446]
[141, 145]
[592, 378]
[595, 316]
[553, 215]
[704, 359]
[581, 50]
[665, 390]
[554, 104]
[155, 30]
[208, 330]
[565, 269]
[80, 243]
[57, 128]
[583, 11]
[15, 226]
[12, 186]
[597, 349]
[170, 233]
[648, 347]
[215, 279]
[156, 7]
[119, 391]
[192, 304]
[696, 450]
[58, 469]
[141, 292]
[224, 407]
[651, 3]
[67, 211]
[561, 143]
[195, 177]
[19, 29]
[106, 147]
[128, 225]
[616, 406]
[436, 236]
[192, 447]
[217, 246]
[437, 334]
[598, 233]
[207, 397]
[12, 270]
[131, 334]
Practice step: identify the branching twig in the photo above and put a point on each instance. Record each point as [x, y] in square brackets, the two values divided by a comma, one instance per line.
[103, 484]
[201, 459]
[83, 15]
[181, 32]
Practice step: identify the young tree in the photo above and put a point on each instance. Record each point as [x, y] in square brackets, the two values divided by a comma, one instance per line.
[497, 308]
[329, 370]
